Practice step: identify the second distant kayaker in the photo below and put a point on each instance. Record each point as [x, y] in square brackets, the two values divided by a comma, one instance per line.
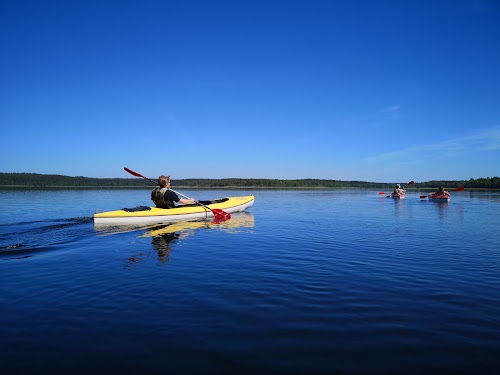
[164, 197]
[398, 190]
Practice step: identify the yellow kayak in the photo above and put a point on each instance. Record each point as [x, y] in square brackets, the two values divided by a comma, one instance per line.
[145, 214]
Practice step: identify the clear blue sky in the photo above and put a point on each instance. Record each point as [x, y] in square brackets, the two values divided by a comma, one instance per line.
[351, 90]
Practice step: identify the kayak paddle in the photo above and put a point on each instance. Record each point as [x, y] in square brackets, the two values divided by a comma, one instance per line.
[219, 215]
[461, 188]
[139, 175]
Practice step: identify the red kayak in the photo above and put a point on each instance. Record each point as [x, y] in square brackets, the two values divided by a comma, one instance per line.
[439, 198]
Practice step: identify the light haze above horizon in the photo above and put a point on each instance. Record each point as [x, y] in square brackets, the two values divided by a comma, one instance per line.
[346, 90]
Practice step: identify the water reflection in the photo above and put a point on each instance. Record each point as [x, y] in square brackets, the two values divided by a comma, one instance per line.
[164, 236]
[399, 205]
[488, 195]
[233, 225]
[442, 209]
[459, 209]
[162, 244]
[101, 229]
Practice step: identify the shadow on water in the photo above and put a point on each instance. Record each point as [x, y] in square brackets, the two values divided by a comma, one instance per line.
[163, 236]
[20, 240]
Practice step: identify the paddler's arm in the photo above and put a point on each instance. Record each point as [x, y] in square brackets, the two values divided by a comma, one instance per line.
[186, 201]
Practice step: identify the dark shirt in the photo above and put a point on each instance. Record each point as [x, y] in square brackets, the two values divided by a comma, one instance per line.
[170, 197]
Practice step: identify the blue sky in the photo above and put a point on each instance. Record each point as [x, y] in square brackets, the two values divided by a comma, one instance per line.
[349, 90]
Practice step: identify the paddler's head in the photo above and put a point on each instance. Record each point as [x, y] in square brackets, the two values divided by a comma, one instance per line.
[163, 181]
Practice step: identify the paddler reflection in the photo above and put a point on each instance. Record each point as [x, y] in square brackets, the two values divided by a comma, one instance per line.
[164, 236]
[162, 244]
[442, 209]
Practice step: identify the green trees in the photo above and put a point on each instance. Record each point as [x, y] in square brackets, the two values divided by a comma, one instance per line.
[480, 183]
[46, 180]
[43, 180]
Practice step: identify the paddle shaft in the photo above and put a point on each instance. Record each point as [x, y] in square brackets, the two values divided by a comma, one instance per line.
[182, 195]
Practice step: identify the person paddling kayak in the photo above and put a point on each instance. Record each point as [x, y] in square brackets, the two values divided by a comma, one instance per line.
[442, 192]
[398, 190]
[163, 197]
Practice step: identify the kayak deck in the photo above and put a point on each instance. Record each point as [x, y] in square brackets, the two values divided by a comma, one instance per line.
[145, 214]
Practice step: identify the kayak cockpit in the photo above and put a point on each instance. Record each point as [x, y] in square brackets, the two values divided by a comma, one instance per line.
[146, 208]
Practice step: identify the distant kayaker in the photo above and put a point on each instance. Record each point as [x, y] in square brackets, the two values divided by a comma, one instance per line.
[398, 190]
[164, 197]
[443, 192]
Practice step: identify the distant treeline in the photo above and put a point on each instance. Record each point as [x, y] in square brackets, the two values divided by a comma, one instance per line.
[46, 180]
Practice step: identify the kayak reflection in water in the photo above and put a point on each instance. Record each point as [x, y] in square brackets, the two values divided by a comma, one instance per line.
[163, 236]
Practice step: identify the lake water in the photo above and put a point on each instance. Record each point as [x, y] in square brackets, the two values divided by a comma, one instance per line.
[305, 282]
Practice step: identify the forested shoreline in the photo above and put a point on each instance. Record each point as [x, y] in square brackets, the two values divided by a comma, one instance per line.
[47, 180]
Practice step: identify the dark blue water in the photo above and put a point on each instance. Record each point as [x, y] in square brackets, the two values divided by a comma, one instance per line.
[305, 282]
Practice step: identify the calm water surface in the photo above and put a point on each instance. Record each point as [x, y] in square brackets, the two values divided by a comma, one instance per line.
[305, 282]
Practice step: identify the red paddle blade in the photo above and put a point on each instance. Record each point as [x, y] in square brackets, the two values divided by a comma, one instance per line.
[382, 192]
[410, 183]
[461, 188]
[423, 196]
[133, 173]
[220, 215]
